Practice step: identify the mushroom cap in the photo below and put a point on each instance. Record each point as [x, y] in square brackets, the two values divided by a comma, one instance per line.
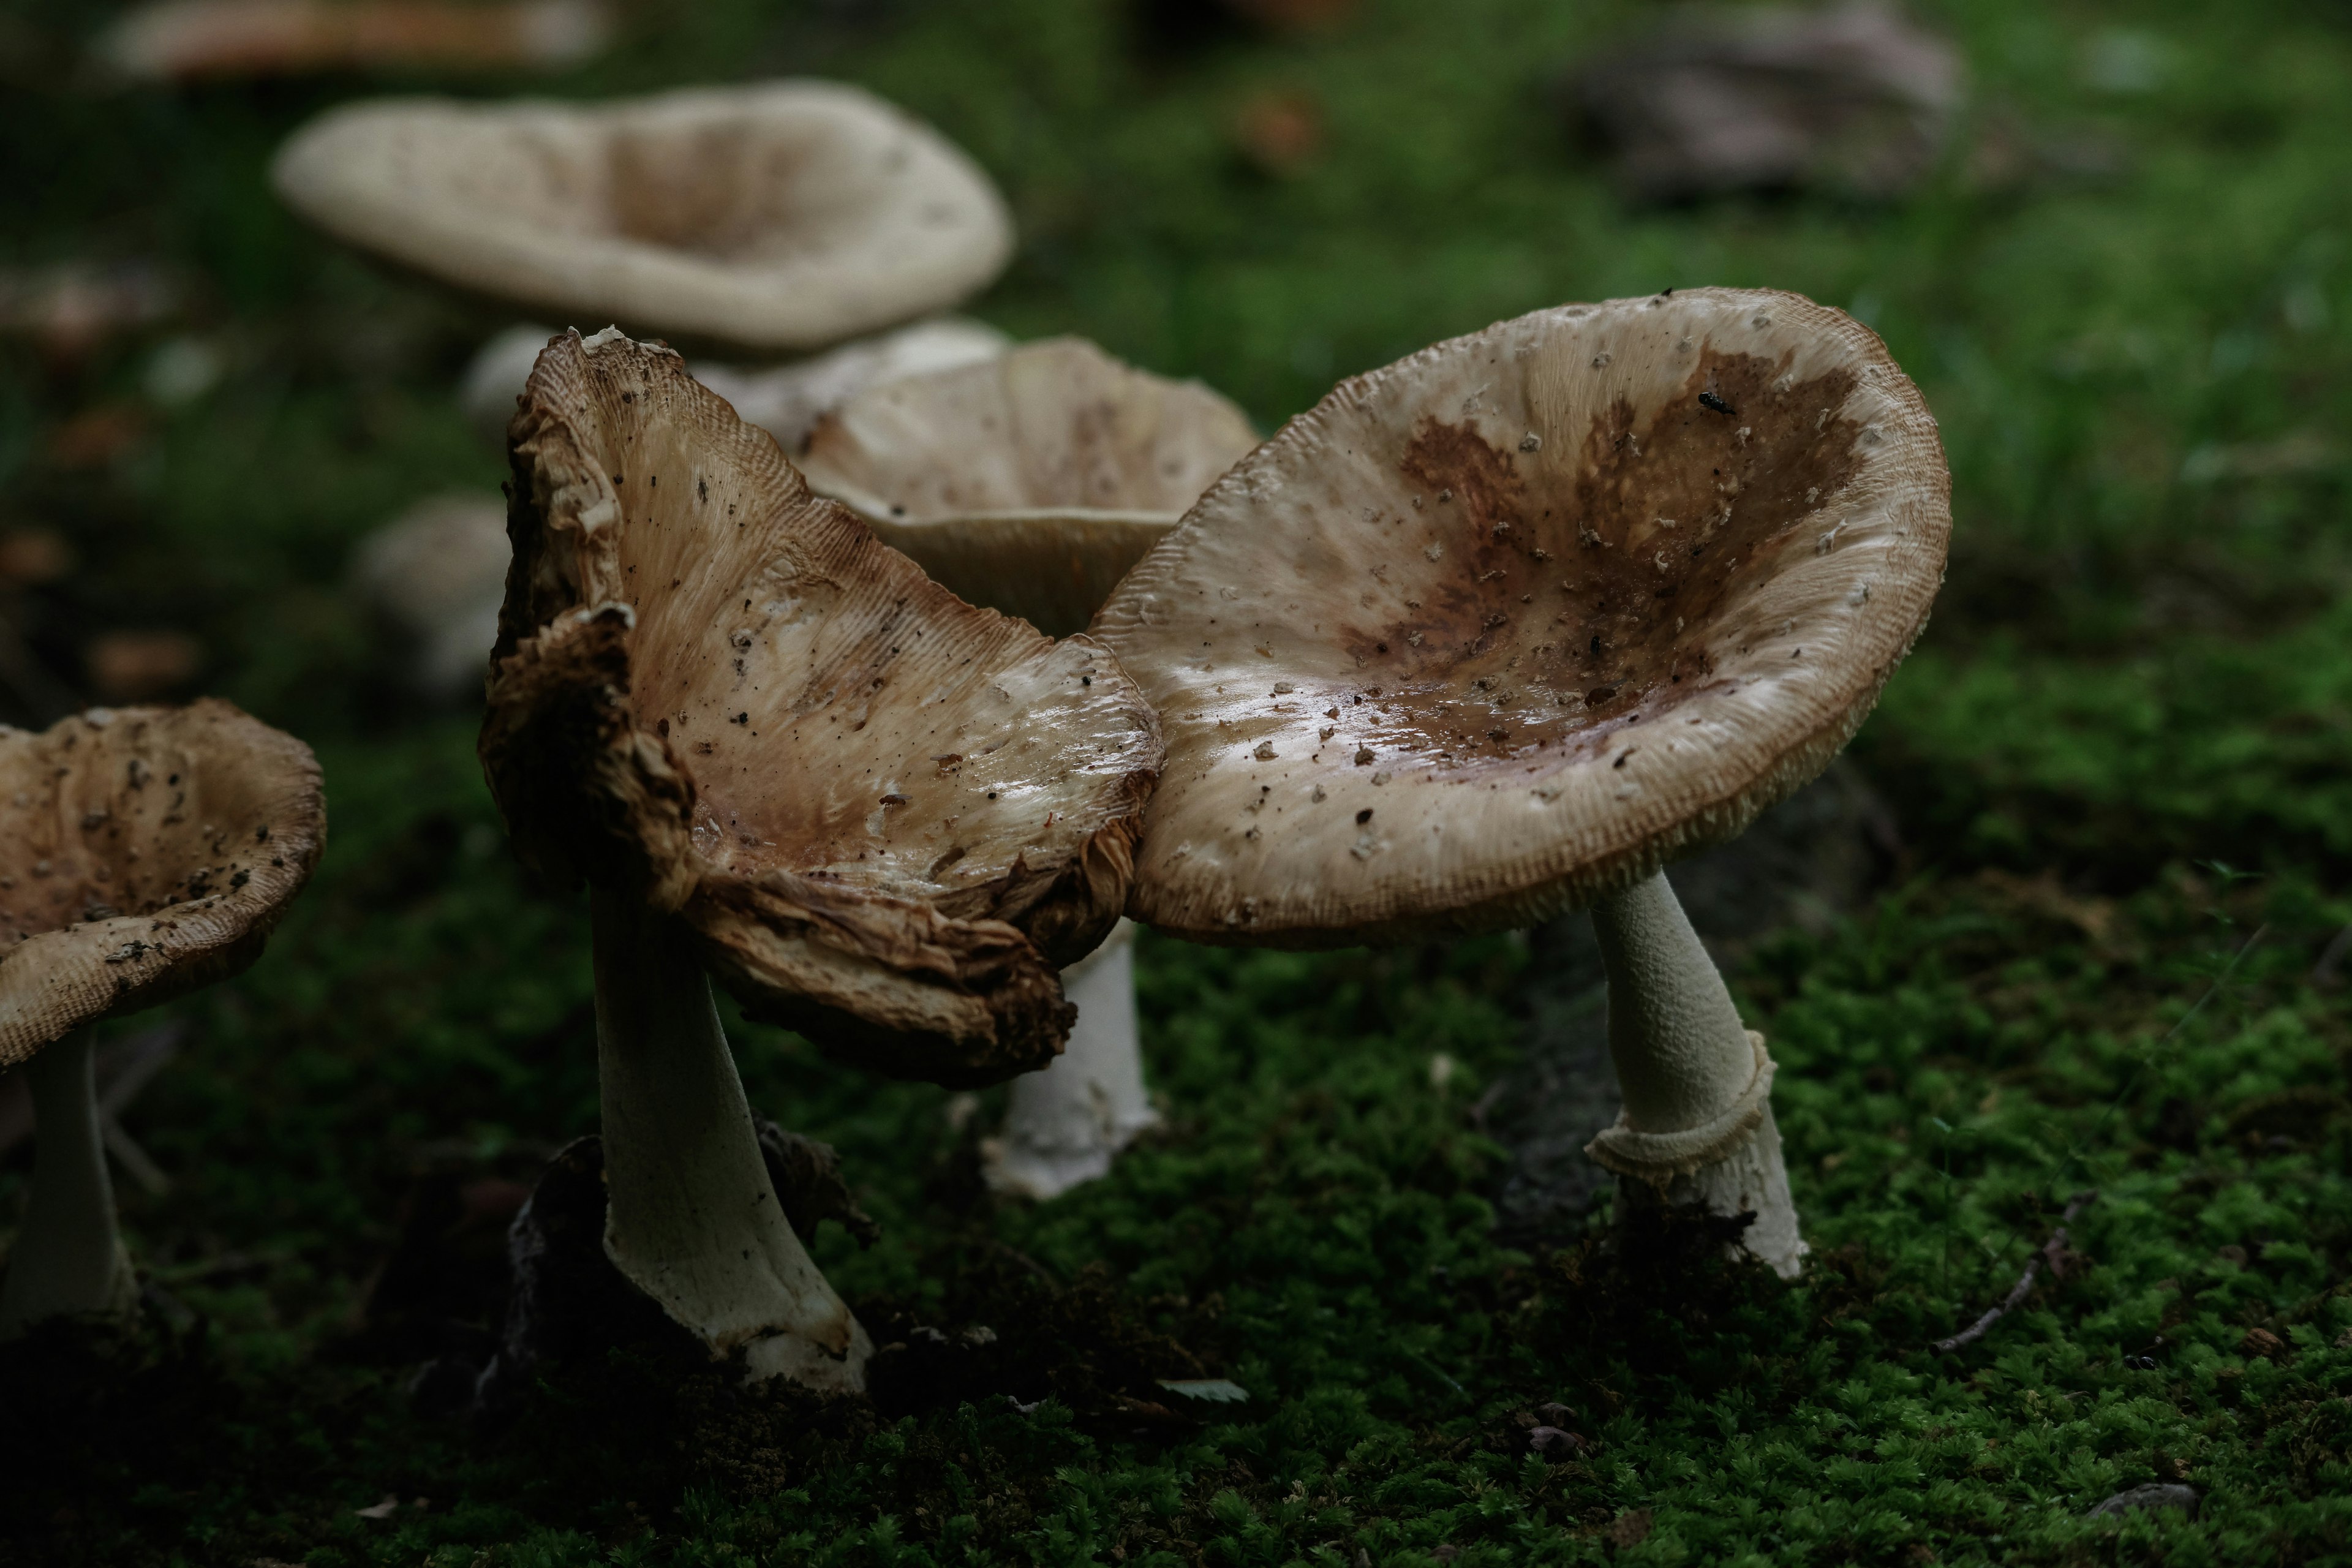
[1496, 631]
[786, 215]
[1030, 482]
[888, 816]
[144, 853]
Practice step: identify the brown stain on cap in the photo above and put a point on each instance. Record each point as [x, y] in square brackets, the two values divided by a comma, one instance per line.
[1563, 605]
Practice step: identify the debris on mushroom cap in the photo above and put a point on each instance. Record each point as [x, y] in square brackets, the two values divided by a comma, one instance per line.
[144, 852]
[786, 215]
[1553, 602]
[70, 308]
[182, 40]
[1032, 482]
[888, 816]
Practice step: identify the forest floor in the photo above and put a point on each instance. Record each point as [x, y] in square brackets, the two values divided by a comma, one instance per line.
[2114, 848]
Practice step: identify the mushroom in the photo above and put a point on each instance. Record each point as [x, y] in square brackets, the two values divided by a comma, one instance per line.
[778, 753]
[432, 579]
[144, 853]
[784, 215]
[1498, 629]
[1032, 481]
[1070, 1118]
[784, 400]
[787, 400]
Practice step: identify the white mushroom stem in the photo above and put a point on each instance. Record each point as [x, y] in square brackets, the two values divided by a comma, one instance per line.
[1068, 1119]
[68, 1258]
[1697, 1124]
[692, 1219]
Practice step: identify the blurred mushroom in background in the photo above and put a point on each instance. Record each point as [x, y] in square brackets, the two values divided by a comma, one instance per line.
[782, 216]
[784, 400]
[432, 579]
[1031, 484]
[789, 399]
[68, 308]
[1852, 97]
[193, 40]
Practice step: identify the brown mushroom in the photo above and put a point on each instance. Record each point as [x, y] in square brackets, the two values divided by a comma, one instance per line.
[782, 216]
[774, 749]
[1496, 630]
[144, 853]
[1030, 482]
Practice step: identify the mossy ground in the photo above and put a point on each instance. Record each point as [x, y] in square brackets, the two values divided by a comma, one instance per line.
[2122, 760]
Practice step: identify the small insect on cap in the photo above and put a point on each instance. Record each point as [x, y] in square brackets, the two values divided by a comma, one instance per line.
[888, 817]
[782, 216]
[1032, 482]
[144, 853]
[1496, 629]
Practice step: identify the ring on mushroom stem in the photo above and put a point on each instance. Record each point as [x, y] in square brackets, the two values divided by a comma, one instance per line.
[144, 853]
[1584, 622]
[778, 753]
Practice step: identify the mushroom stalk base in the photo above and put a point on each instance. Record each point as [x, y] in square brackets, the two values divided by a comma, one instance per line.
[692, 1219]
[1068, 1119]
[1697, 1124]
[68, 1258]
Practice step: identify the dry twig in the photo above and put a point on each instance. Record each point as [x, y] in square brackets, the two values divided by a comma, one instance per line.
[2050, 1251]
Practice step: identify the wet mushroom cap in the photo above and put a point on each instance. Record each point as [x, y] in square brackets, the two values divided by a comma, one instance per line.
[786, 215]
[144, 852]
[1496, 629]
[1033, 481]
[888, 816]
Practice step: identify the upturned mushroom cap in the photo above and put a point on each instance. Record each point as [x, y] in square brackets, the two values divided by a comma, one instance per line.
[1496, 629]
[144, 852]
[1031, 482]
[786, 215]
[889, 817]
